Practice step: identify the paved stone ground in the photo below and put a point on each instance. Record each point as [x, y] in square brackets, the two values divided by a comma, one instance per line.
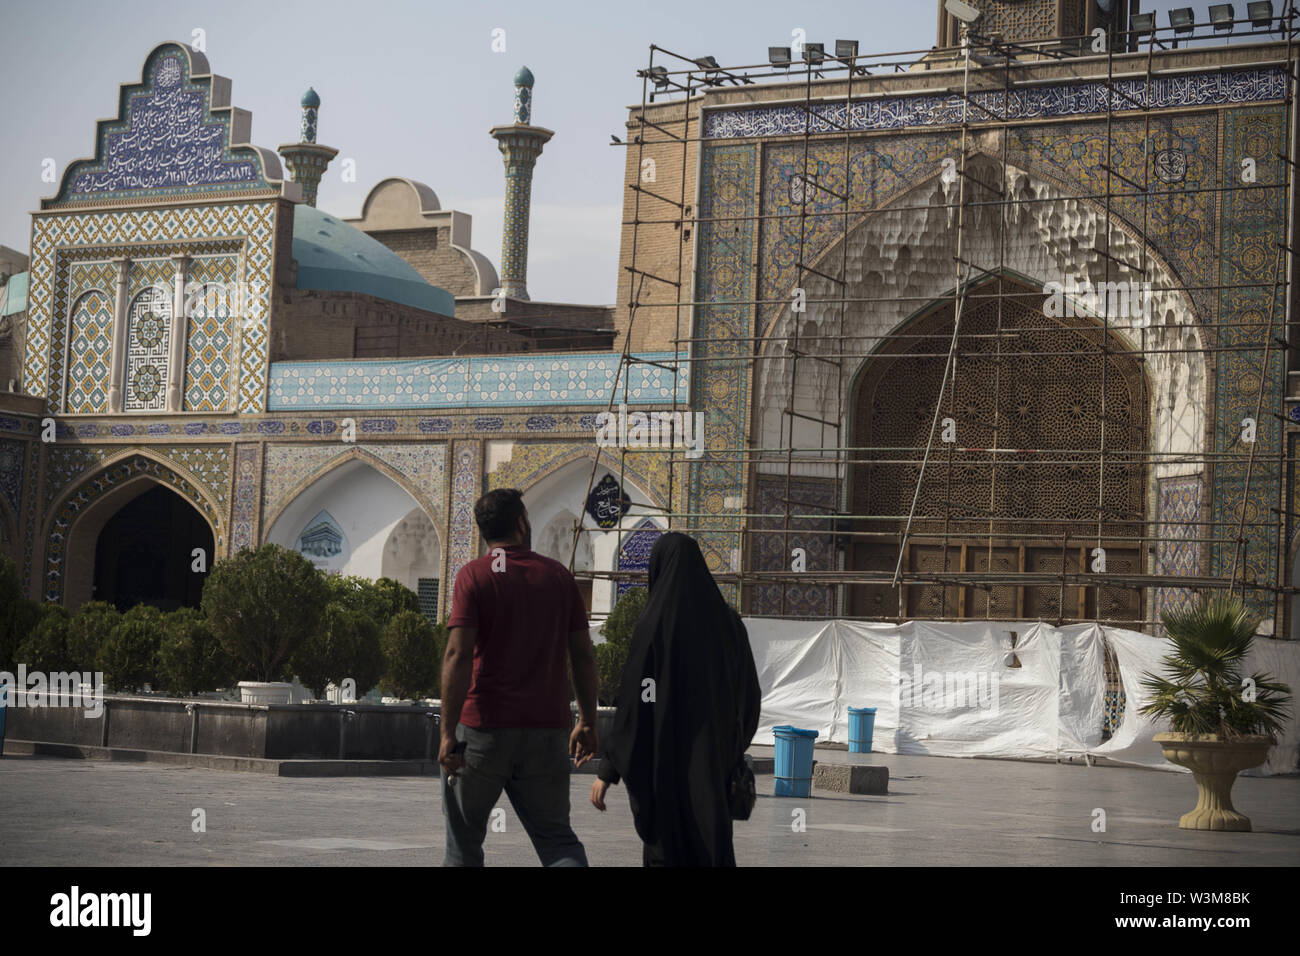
[939, 812]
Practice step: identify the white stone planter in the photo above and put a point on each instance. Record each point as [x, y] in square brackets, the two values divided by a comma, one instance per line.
[1214, 762]
[260, 692]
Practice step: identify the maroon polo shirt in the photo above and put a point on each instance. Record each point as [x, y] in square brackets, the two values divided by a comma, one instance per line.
[524, 615]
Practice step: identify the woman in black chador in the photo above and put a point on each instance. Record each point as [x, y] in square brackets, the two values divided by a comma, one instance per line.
[676, 741]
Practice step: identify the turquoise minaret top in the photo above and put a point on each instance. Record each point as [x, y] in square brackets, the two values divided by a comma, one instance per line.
[310, 106]
[524, 95]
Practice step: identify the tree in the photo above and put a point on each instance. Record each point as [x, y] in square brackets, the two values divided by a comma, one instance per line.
[1204, 692]
[129, 657]
[413, 652]
[190, 659]
[262, 604]
[88, 629]
[18, 615]
[611, 656]
[45, 648]
[388, 598]
[379, 600]
[345, 644]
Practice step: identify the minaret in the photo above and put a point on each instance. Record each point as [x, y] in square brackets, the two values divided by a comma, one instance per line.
[520, 144]
[306, 159]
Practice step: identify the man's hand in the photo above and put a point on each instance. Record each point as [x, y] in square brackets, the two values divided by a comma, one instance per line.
[598, 790]
[583, 743]
[449, 756]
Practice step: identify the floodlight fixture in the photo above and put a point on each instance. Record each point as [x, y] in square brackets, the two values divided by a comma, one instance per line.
[660, 76]
[1260, 13]
[707, 63]
[814, 53]
[778, 55]
[1182, 19]
[962, 11]
[846, 49]
[1222, 15]
[1142, 23]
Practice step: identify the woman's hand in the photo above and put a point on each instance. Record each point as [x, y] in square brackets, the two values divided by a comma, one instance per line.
[598, 788]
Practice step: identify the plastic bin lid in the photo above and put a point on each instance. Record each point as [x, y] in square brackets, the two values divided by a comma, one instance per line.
[862, 710]
[793, 731]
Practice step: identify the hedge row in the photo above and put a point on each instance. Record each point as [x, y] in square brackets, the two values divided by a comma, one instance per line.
[267, 614]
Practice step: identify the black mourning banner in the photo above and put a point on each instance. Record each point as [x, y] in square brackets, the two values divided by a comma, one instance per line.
[607, 503]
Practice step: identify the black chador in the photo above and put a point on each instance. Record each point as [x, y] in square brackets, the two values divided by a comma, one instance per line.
[688, 707]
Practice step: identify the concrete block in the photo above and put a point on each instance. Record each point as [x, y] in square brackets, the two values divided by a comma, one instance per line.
[847, 778]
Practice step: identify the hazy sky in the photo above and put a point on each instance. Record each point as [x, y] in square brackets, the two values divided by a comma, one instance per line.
[411, 89]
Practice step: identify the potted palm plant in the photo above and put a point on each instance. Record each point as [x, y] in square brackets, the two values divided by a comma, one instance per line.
[1222, 722]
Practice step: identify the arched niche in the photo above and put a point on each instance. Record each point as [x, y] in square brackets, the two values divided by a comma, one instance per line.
[359, 521]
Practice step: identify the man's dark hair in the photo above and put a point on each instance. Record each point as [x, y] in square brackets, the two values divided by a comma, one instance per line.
[498, 513]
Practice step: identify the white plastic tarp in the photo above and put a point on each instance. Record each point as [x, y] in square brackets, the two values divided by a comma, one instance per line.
[958, 689]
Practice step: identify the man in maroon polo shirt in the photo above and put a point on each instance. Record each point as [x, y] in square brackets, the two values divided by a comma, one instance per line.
[517, 618]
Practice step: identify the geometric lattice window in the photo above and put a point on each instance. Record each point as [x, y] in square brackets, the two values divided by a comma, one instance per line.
[428, 598]
[89, 353]
[148, 344]
[1022, 490]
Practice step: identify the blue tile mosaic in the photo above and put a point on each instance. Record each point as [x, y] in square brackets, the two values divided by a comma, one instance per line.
[582, 378]
[1068, 99]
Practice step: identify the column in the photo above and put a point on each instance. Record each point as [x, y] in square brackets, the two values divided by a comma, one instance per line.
[117, 370]
[179, 336]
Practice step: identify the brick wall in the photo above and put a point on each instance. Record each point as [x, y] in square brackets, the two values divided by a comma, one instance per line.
[432, 255]
[662, 242]
[323, 325]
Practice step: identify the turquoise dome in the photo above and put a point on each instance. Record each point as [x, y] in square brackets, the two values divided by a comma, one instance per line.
[524, 77]
[333, 256]
[311, 99]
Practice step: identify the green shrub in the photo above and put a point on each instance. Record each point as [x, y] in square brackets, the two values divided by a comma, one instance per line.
[413, 652]
[129, 657]
[18, 615]
[190, 659]
[379, 600]
[611, 656]
[345, 644]
[46, 646]
[262, 604]
[88, 629]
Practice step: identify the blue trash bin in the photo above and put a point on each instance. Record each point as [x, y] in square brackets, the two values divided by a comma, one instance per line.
[794, 760]
[862, 722]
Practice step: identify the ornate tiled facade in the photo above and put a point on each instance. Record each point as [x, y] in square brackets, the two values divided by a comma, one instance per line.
[1202, 236]
[197, 160]
[53, 242]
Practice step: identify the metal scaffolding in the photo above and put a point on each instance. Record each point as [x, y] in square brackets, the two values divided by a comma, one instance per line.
[966, 576]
